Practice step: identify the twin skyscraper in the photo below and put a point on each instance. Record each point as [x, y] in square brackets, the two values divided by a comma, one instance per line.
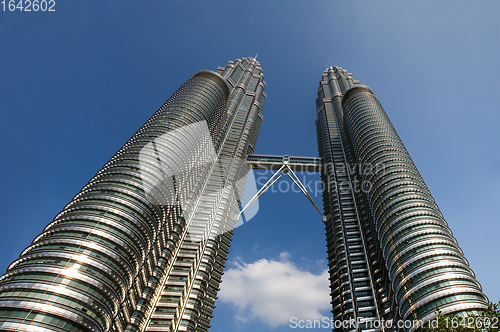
[142, 246]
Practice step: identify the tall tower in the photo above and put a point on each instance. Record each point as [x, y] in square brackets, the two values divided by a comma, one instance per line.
[142, 246]
[391, 253]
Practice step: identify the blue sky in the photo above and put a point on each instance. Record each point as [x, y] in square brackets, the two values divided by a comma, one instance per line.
[76, 83]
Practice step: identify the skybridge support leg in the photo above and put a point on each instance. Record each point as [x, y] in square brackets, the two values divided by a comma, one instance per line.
[299, 184]
[264, 188]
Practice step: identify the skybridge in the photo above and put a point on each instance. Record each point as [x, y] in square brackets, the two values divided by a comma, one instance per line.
[296, 164]
[284, 165]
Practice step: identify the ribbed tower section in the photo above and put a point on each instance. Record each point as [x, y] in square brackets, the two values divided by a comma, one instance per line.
[186, 299]
[416, 263]
[142, 246]
[357, 282]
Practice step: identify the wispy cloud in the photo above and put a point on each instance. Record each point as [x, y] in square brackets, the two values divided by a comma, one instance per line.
[274, 291]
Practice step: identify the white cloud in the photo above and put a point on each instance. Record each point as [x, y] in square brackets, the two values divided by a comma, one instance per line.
[275, 291]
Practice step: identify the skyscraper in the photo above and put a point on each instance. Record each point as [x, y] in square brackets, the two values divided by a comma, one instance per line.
[391, 253]
[142, 246]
